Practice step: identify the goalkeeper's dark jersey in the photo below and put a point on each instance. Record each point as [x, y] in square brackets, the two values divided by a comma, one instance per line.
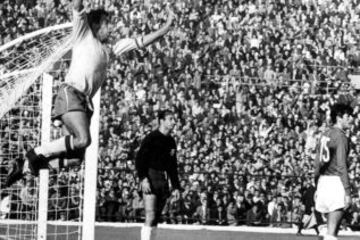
[158, 152]
[331, 157]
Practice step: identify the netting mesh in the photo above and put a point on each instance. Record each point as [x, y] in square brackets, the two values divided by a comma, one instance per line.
[21, 129]
[23, 61]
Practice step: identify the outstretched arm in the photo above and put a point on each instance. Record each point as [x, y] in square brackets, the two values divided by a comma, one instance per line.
[151, 37]
[125, 45]
[78, 5]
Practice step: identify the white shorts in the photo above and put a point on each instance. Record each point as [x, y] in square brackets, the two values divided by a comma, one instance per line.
[330, 194]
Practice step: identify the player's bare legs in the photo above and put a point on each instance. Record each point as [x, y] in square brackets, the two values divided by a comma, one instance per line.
[153, 204]
[150, 209]
[77, 157]
[333, 224]
[150, 205]
[71, 146]
[78, 125]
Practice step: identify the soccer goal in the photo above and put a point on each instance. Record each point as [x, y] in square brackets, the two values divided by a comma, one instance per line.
[60, 203]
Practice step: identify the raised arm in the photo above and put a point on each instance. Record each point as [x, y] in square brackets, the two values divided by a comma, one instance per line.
[78, 5]
[127, 44]
[151, 37]
[80, 23]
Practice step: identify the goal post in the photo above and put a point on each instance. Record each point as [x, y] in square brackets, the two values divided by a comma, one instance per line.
[43, 204]
[90, 178]
[46, 99]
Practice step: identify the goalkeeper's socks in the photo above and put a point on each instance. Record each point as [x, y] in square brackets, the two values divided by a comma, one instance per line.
[53, 148]
[330, 237]
[145, 233]
[148, 233]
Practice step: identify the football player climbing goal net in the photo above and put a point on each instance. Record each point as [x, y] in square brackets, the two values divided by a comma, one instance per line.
[32, 68]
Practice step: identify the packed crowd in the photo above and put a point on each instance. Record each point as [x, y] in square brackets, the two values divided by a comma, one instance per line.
[250, 83]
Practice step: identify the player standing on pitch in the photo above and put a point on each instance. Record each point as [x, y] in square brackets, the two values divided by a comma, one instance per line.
[331, 171]
[87, 72]
[155, 161]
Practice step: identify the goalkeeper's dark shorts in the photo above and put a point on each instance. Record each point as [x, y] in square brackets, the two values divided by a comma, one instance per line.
[69, 99]
[159, 183]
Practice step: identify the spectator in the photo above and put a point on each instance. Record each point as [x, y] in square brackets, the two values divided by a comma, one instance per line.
[175, 209]
[137, 206]
[254, 216]
[74, 203]
[220, 213]
[4, 206]
[111, 206]
[203, 212]
[28, 198]
[231, 215]
[311, 218]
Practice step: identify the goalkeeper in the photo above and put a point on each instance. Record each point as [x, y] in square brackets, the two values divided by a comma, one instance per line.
[73, 106]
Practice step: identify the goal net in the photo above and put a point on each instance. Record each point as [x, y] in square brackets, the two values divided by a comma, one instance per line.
[25, 59]
[50, 206]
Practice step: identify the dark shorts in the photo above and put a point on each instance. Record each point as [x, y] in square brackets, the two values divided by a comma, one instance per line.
[70, 99]
[159, 183]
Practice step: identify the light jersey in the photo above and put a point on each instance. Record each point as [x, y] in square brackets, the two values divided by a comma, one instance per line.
[90, 57]
[331, 156]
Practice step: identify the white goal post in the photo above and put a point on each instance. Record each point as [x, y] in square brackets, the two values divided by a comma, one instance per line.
[90, 178]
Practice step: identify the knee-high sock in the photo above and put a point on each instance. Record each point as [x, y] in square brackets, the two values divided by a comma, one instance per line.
[145, 233]
[54, 148]
[329, 237]
[148, 233]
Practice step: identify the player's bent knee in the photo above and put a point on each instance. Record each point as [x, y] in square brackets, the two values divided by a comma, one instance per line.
[82, 142]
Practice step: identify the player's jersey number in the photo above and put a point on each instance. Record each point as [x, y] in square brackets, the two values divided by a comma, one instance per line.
[324, 149]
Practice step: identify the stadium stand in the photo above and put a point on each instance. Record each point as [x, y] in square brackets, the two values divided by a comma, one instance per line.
[251, 83]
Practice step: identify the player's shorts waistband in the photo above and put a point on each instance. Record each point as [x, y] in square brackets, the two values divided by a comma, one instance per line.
[71, 99]
[157, 174]
[152, 170]
[77, 91]
[329, 177]
[330, 180]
